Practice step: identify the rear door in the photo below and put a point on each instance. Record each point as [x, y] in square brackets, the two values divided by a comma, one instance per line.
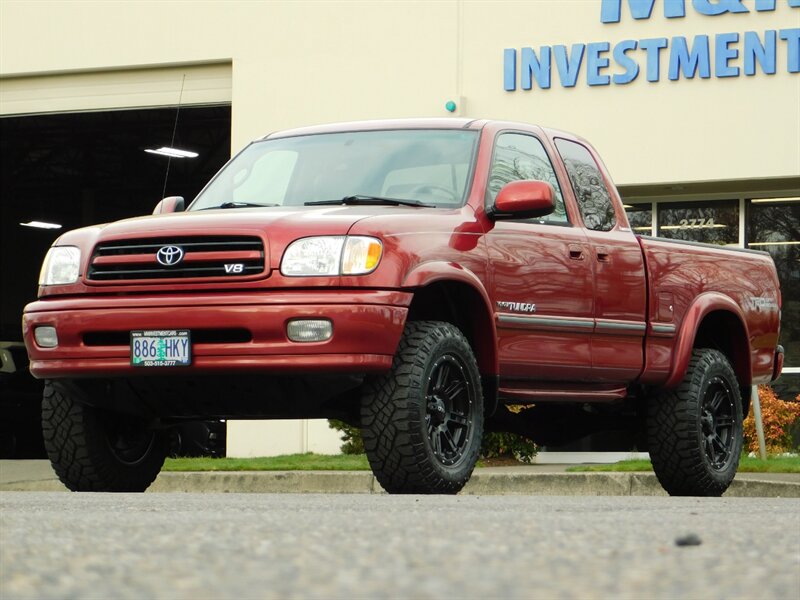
[620, 292]
[541, 275]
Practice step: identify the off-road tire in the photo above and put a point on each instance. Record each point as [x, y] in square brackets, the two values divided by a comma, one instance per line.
[679, 427]
[80, 441]
[400, 413]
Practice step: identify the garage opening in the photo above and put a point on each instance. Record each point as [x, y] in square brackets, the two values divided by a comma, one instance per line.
[68, 170]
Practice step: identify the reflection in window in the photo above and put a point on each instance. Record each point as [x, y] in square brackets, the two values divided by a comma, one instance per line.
[517, 157]
[594, 202]
[713, 222]
[775, 228]
[640, 216]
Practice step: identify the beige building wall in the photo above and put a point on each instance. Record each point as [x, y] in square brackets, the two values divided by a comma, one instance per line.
[297, 63]
[293, 63]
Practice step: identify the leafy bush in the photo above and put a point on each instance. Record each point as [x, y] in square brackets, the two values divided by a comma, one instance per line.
[777, 416]
[500, 445]
[494, 445]
[351, 436]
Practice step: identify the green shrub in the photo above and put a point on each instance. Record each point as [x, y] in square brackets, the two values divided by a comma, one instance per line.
[494, 445]
[351, 436]
[508, 445]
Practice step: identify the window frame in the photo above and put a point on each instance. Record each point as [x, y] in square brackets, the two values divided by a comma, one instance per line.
[604, 180]
[548, 154]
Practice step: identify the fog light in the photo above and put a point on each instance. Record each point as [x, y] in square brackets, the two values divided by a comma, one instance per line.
[309, 330]
[46, 337]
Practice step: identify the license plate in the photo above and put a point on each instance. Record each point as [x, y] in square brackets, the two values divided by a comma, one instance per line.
[161, 348]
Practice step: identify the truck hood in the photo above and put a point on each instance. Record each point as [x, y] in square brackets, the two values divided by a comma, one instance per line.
[297, 221]
[277, 226]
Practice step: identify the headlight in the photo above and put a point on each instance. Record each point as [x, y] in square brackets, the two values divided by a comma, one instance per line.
[331, 255]
[61, 266]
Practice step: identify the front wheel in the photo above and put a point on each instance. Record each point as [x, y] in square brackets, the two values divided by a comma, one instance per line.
[423, 421]
[93, 450]
[695, 431]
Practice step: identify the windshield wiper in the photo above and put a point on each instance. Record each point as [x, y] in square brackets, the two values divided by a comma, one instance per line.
[362, 199]
[237, 205]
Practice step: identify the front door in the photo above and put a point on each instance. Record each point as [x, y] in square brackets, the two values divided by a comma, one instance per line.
[541, 276]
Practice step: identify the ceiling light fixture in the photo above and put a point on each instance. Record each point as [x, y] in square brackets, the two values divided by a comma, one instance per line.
[172, 152]
[773, 243]
[41, 225]
[714, 226]
[760, 200]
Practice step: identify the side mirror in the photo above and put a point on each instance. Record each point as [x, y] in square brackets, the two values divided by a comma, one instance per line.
[524, 199]
[170, 205]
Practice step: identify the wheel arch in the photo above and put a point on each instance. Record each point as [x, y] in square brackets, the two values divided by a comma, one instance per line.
[447, 292]
[713, 321]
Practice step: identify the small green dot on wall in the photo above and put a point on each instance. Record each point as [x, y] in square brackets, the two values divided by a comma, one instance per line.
[450, 106]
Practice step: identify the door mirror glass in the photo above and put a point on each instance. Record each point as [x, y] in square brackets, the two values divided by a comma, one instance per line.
[171, 204]
[525, 199]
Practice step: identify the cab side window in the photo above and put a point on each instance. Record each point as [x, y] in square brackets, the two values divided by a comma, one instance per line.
[518, 156]
[594, 202]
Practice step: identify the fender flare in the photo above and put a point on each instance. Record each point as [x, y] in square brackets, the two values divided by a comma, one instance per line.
[702, 306]
[427, 273]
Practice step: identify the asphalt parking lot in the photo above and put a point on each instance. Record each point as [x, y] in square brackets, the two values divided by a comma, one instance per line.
[58, 545]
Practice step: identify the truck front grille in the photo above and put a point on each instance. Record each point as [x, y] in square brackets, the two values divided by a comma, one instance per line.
[229, 257]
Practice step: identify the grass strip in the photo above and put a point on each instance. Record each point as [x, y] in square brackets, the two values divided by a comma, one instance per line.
[777, 464]
[287, 462]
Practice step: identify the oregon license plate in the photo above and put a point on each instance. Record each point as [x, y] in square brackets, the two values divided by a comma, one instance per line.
[161, 348]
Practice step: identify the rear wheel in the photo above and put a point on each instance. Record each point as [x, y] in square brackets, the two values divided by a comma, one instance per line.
[695, 431]
[423, 421]
[93, 450]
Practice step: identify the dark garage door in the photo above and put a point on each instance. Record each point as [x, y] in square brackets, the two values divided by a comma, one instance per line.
[78, 169]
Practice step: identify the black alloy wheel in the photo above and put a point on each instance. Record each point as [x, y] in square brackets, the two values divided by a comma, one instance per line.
[129, 441]
[448, 410]
[716, 419]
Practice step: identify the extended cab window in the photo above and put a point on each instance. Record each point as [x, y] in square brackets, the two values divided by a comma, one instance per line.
[594, 202]
[518, 156]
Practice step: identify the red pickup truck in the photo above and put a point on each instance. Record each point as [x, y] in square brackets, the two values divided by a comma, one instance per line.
[413, 278]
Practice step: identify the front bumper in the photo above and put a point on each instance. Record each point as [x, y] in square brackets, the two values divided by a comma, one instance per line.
[92, 332]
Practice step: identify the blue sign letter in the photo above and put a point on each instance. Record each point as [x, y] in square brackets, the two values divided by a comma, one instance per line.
[568, 67]
[792, 37]
[754, 51]
[594, 62]
[706, 7]
[540, 69]
[640, 9]
[626, 62]
[510, 69]
[680, 58]
[723, 54]
[653, 47]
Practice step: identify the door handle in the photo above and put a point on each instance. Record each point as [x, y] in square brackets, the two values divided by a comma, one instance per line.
[575, 252]
[602, 254]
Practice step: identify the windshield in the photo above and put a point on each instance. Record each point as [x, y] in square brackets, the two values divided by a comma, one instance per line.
[430, 166]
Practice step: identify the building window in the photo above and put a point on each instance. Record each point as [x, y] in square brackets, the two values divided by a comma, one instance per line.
[712, 222]
[640, 216]
[774, 226]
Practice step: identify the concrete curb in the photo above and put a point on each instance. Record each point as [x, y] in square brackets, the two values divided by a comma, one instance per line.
[481, 484]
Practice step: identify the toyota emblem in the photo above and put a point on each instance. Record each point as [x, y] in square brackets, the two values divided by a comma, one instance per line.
[169, 255]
